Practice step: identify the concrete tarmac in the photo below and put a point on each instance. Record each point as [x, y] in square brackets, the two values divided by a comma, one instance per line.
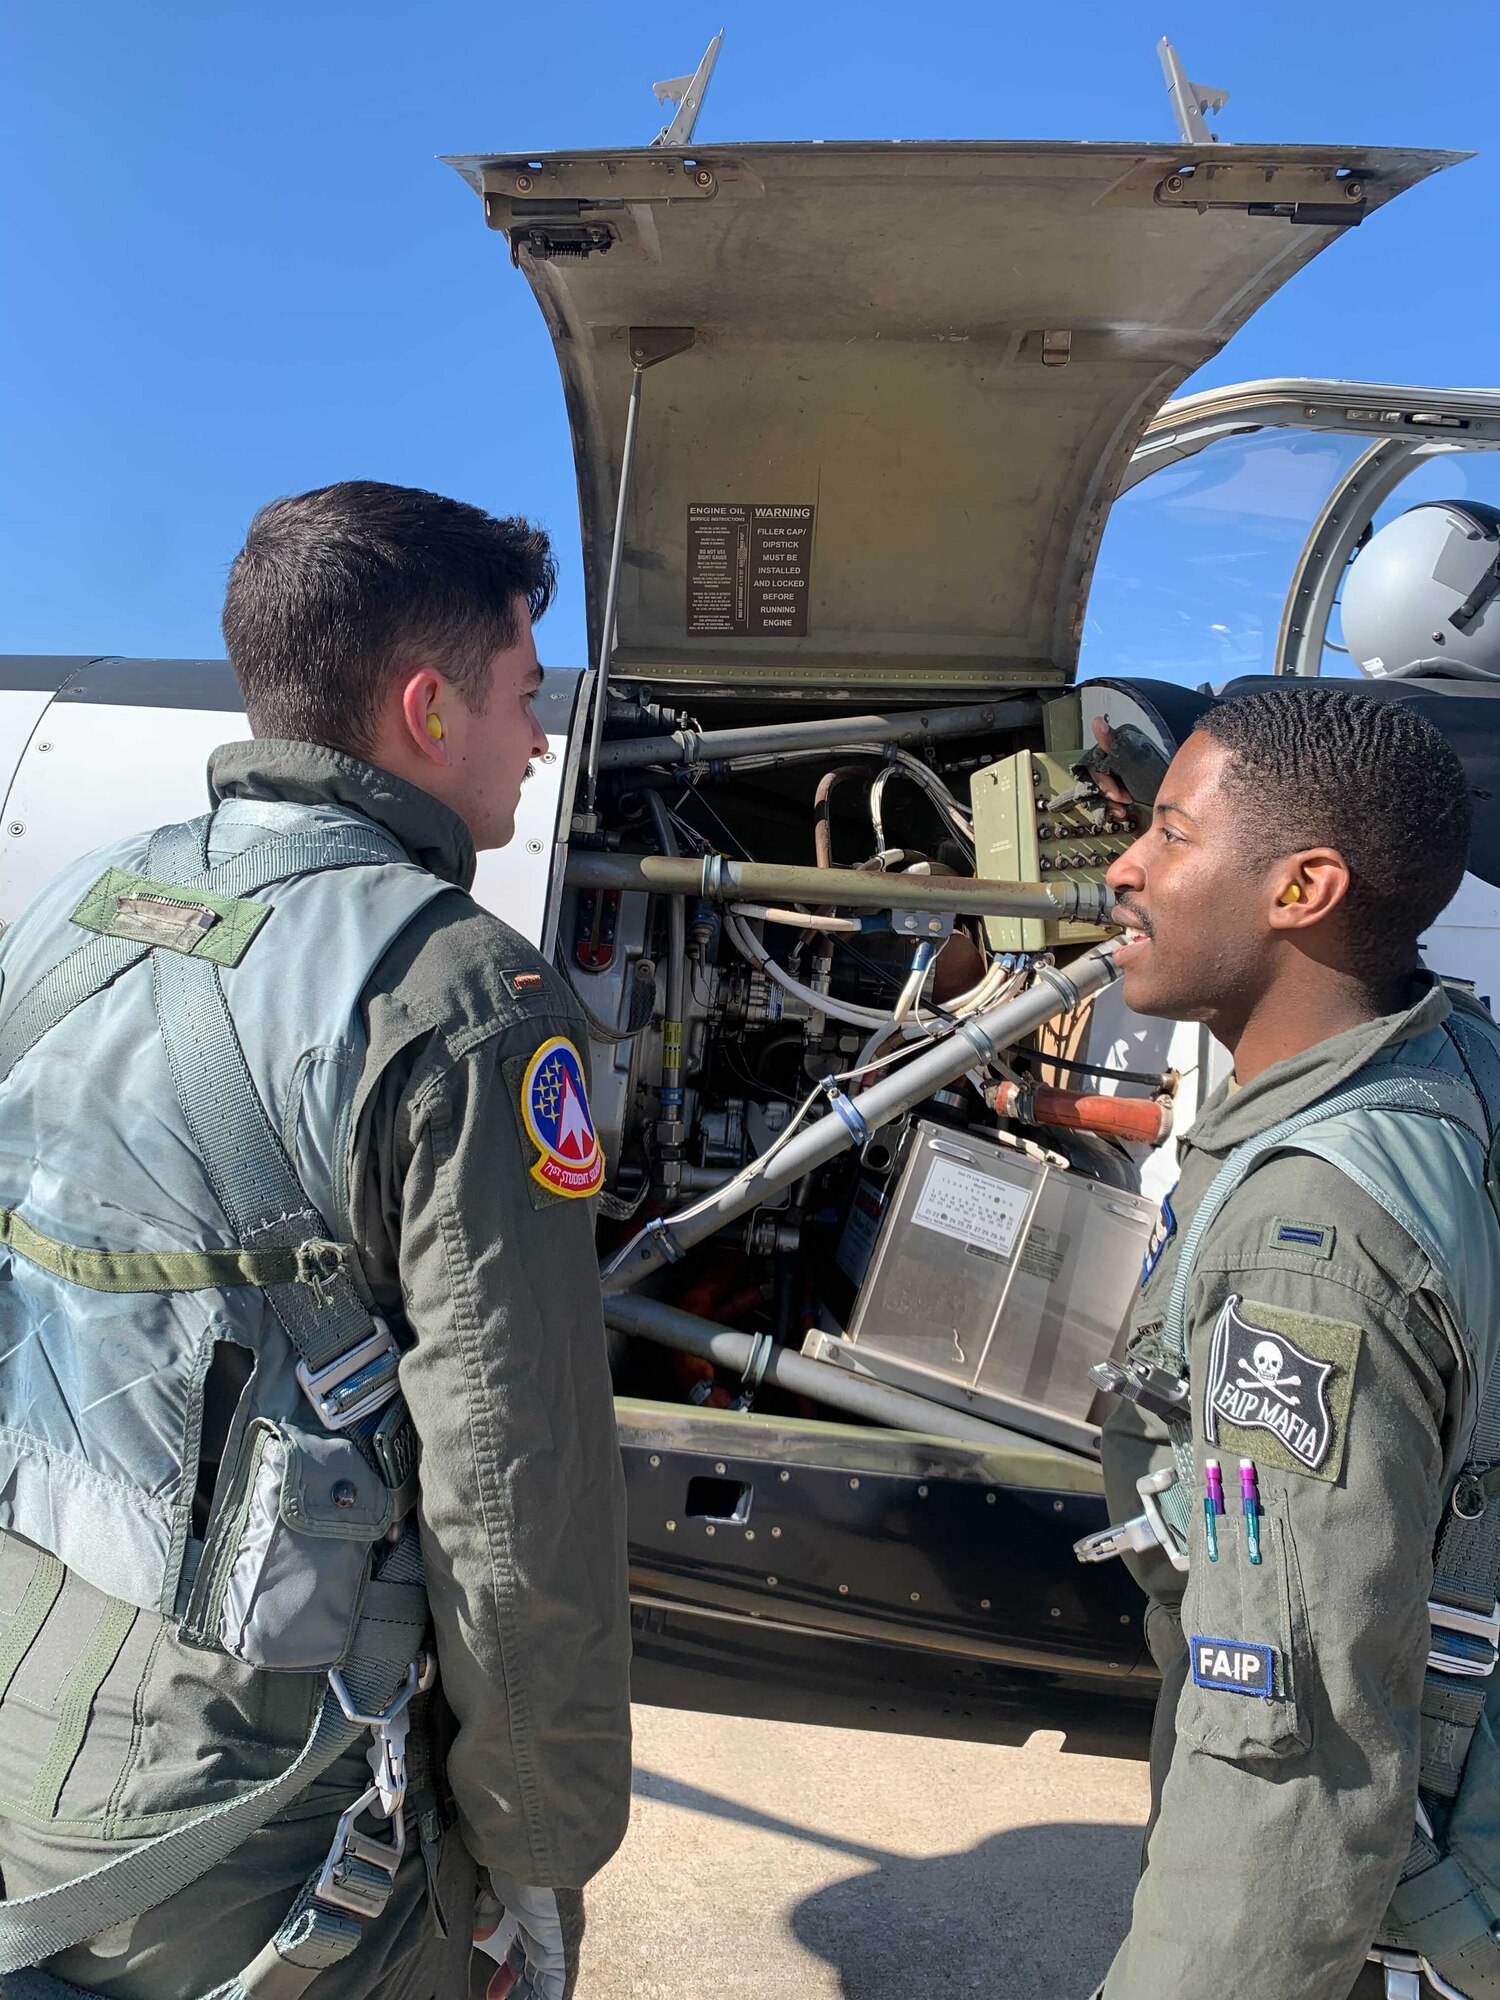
[832, 1864]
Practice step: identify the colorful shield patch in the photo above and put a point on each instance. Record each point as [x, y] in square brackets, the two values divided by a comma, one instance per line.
[555, 1113]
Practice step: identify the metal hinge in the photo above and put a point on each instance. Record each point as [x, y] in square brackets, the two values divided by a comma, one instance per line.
[1332, 197]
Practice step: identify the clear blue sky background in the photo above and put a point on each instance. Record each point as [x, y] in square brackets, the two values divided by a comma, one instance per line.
[234, 268]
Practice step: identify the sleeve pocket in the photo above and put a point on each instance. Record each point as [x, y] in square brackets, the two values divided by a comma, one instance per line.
[1245, 1607]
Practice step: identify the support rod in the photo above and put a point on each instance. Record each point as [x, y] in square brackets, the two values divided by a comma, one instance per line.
[1055, 990]
[710, 746]
[612, 591]
[718, 879]
[628, 1312]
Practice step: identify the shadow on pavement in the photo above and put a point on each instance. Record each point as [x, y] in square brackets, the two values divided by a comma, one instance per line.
[1036, 1911]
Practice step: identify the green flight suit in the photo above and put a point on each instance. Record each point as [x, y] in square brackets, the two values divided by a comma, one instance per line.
[1280, 1825]
[491, 1282]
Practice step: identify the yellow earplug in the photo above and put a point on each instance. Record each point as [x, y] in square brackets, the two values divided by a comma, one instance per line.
[435, 728]
[1290, 894]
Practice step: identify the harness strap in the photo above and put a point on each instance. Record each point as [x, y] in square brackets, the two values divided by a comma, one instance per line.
[101, 960]
[148, 1270]
[1424, 1093]
[392, 1624]
[347, 1367]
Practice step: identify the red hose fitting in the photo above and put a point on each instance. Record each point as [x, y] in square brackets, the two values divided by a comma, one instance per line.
[1147, 1120]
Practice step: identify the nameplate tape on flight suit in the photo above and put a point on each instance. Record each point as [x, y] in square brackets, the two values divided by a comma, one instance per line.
[1233, 1666]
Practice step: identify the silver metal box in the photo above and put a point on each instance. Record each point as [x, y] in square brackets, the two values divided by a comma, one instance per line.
[997, 1281]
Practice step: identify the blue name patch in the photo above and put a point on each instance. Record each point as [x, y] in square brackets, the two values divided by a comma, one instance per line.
[1233, 1666]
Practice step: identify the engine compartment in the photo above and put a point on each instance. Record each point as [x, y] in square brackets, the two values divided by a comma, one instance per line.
[977, 1250]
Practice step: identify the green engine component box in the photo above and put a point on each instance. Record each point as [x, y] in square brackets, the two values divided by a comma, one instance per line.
[1035, 821]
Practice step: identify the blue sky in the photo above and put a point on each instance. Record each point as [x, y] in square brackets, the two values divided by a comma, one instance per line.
[234, 267]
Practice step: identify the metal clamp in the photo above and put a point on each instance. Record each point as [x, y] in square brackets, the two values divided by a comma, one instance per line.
[355, 1383]
[853, 1122]
[1483, 1625]
[661, 1235]
[762, 1347]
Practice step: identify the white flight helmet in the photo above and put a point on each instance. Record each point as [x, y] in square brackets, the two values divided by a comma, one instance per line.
[1423, 596]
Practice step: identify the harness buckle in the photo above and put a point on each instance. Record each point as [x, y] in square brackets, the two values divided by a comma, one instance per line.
[1116, 1540]
[1149, 1530]
[1483, 1625]
[1403, 1973]
[355, 1383]
[360, 1871]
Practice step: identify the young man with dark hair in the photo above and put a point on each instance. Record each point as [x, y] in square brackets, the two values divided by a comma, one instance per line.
[1319, 1308]
[339, 1060]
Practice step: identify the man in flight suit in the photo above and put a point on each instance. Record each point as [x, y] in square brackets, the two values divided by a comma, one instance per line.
[383, 642]
[1301, 841]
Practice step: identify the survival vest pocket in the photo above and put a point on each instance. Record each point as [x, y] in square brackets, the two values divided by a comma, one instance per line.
[286, 1558]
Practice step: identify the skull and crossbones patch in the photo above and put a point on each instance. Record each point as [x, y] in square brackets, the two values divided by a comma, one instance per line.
[1282, 1373]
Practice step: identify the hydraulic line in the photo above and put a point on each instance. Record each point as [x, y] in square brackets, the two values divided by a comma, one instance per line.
[669, 1094]
[834, 732]
[718, 879]
[1147, 1120]
[822, 808]
[630, 1312]
[749, 946]
[1054, 990]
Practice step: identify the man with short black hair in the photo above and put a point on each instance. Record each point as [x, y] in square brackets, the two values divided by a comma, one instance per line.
[348, 1347]
[1317, 1319]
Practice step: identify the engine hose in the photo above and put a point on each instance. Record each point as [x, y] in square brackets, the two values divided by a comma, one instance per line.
[1054, 990]
[1147, 1120]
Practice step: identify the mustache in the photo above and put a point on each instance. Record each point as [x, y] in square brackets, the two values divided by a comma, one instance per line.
[1125, 912]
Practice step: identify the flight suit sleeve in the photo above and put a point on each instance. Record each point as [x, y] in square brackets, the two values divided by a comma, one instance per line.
[522, 1507]
[1287, 1809]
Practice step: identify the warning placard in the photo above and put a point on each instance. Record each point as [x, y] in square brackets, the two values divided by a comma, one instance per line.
[748, 571]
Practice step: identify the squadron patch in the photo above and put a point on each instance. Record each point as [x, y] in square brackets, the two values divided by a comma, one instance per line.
[1161, 1235]
[555, 1116]
[1233, 1666]
[1285, 1375]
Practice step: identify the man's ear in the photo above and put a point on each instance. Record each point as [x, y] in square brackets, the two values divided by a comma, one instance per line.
[422, 703]
[1306, 888]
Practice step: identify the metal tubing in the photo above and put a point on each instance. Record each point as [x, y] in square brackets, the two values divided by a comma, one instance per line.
[718, 879]
[1055, 990]
[612, 592]
[688, 746]
[628, 1312]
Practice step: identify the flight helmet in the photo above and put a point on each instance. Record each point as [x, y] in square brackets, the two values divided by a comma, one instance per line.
[1423, 595]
